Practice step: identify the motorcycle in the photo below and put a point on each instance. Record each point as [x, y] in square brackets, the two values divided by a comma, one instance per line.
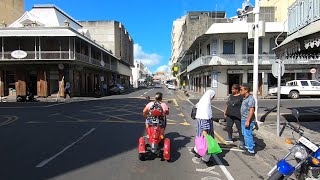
[154, 143]
[28, 98]
[306, 157]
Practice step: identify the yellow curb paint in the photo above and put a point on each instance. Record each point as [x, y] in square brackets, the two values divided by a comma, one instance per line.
[182, 115]
[185, 124]
[175, 102]
[220, 138]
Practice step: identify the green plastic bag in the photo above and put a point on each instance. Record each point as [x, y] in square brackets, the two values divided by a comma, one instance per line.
[213, 146]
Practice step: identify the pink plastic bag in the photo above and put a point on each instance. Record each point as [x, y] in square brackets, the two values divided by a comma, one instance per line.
[201, 145]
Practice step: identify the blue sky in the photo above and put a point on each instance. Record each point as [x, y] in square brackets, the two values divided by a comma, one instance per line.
[149, 22]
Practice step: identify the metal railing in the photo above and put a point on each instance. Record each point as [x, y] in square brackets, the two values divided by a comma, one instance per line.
[301, 13]
[246, 59]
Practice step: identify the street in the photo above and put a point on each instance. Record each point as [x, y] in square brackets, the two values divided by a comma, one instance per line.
[98, 139]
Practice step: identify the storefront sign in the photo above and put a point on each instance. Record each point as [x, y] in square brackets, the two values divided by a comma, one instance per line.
[214, 81]
[19, 54]
[235, 71]
[313, 70]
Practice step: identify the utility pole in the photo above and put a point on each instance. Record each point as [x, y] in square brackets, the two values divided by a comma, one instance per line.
[256, 55]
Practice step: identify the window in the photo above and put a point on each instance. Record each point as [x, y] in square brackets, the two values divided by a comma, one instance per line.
[304, 83]
[315, 83]
[208, 49]
[194, 17]
[228, 47]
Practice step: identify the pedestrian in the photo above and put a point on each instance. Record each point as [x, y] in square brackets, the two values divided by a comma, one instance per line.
[247, 119]
[232, 114]
[67, 90]
[104, 87]
[204, 124]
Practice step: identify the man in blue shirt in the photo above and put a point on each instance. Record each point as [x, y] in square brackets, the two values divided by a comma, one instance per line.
[247, 118]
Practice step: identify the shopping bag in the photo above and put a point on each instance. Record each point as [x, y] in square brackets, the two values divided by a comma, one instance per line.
[213, 146]
[201, 145]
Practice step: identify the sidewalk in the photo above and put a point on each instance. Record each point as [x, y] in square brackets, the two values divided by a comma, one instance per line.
[271, 148]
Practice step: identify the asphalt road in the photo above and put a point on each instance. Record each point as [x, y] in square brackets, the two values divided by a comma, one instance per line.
[98, 140]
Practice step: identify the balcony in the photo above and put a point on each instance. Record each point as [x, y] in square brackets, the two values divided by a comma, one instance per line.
[245, 59]
[301, 13]
[58, 56]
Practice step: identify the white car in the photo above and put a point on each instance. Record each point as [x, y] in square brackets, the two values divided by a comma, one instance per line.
[294, 89]
[171, 86]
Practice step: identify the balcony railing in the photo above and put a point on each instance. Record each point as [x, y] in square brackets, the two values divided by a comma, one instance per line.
[244, 59]
[57, 55]
[301, 13]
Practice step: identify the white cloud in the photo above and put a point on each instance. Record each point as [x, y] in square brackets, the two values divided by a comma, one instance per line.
[147, 59]
[162, 68]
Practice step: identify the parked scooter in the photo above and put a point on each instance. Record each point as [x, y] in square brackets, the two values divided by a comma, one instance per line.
[29, 97]
[306, 158]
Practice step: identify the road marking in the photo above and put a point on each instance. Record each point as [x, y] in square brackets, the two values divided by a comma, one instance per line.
[210, 178]
[222, 167]
[185, 124]
[220, 138]
[10, 119]
[43, 163]
[217, 108]
[175, 102]
[233, 149]
[195, 160]
[36, 122]
[148, 91]
[180, 97]
[208, 170]
[182, 115]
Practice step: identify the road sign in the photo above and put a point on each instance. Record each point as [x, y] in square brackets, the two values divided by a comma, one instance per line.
[313, 70]
[275, 68]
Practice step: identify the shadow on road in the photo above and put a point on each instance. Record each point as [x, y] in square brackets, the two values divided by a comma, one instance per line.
[178, 142]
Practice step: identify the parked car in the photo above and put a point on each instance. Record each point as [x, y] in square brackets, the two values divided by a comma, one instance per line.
[121, 87]
[296, 88]
[171, 86]
[157, 86]
[114, 89]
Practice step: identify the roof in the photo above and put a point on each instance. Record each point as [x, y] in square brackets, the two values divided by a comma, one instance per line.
[307, 30]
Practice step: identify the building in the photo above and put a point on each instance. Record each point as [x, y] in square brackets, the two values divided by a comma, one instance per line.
[45, 49]
[10, 10]
[302, 45]
[280, 8]
[159, 77]
[113, 36]
[185, 30]
[139, 73]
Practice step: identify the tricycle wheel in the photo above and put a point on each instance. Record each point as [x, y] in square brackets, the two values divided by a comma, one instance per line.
[142, 157]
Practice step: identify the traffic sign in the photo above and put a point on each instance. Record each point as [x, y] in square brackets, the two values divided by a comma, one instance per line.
[275, 68]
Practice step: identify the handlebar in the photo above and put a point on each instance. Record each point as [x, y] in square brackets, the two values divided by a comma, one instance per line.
[295, 129]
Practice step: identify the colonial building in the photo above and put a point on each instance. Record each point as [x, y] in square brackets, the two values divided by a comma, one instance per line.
[45, 49]
[302, 46]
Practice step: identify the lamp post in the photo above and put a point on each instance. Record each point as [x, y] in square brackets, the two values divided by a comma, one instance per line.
[256, 55]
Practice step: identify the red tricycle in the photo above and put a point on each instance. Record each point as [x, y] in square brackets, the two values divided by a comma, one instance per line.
[154, 143]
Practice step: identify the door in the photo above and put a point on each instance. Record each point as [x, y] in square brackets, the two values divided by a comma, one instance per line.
[234, 79]
[20, 82]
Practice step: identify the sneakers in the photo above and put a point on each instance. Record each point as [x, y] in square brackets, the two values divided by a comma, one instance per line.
[248, 153]
[195, 153]
[228, 140]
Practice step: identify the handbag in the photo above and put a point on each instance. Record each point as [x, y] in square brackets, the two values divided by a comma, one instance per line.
[193, 113]
[213, 146]
[201, 145]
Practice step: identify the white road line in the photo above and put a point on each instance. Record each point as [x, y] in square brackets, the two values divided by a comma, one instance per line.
[148, 91]
[232, 149]
[43, 163]
[208, 170]
[222, 167]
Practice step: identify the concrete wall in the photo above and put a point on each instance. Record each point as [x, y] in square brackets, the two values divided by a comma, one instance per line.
[281, 8]
[11, 10]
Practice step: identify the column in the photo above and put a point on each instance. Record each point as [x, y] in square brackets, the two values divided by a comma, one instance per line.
[61, 83]
[39, 47]
[42, 86]
[20, 84]
[2, 48]
[2, 83]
